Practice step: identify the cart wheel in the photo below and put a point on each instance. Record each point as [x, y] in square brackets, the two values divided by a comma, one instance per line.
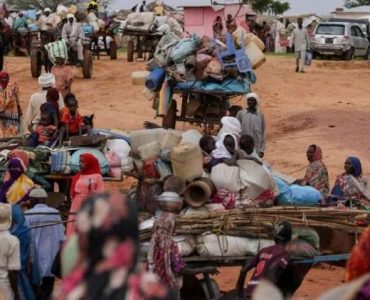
[87, 65]
[169, 120]
[215, 290]
[113, 50]
[35, 63]
[130, 50]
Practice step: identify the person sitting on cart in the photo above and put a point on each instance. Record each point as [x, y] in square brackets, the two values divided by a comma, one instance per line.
[72, 123]
[270, 263]
[45, 133]
[74, 35]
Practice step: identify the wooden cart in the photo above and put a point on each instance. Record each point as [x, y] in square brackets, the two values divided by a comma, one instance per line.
[141, 44]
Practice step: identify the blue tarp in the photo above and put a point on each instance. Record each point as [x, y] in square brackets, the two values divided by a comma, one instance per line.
[228, 86]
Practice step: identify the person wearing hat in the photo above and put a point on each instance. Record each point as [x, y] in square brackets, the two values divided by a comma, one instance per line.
[47, 20]
[10, 260]
[48, 239]
[32, 117]
[252, 121]
[270, 263]
[73, 34]
[93, 6]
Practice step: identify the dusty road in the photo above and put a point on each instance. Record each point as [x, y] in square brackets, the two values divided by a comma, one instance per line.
[328, 106]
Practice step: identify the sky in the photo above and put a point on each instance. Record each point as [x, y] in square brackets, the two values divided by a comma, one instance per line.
[320, 7]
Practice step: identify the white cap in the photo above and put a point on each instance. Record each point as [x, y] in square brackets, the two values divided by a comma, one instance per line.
[38, 193]
[46, 80]
[48, 10]
[70, 16]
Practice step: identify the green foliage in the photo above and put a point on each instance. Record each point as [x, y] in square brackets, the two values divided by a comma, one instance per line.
[271, 6]
[355, 3]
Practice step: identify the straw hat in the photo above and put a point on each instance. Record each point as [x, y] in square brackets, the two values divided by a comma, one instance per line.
[5, 216]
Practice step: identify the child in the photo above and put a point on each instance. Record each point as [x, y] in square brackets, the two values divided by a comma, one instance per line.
[45, 133]
[72, 122]
[51, 106]
[207, 144]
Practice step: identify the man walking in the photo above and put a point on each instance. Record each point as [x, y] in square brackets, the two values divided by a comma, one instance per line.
[253, 123]
[48, 239]
[301, 41]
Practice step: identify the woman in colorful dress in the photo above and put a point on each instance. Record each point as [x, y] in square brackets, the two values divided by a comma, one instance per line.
[10, 110]
[352, 184]
[317, 174]
[109, 268]
[16, 185]
[88, 181]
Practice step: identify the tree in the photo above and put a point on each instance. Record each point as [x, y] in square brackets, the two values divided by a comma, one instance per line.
[272, 6]
[355, 3]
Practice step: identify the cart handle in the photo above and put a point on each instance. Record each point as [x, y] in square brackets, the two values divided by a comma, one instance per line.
[241, 281]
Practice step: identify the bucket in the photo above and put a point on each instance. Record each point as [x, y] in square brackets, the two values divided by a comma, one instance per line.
[198, 193]
[255, 55]
[187, 161]
[139, 77]
[155, 79]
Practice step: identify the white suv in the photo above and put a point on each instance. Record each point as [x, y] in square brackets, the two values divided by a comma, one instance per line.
[339, 39]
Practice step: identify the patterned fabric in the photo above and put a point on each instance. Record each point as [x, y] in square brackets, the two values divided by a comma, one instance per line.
[226, 198]
[10, 113]
[349, 187]
[164, 257]
[359, 261]
[108, 234]
[317, 176]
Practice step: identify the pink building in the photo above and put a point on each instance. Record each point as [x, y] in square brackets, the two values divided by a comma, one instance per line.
[199, 17]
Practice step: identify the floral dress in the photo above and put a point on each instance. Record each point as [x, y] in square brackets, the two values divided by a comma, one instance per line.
[317, 176]
[10, 112]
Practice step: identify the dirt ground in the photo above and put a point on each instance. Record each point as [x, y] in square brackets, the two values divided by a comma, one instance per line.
[328, 106]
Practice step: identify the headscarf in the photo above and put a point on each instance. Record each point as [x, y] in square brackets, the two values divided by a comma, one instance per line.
[356, 164]
[359, 261]
[91, 167]
[163, 252]
[318, 153]
[108, 234]
[18, 185]
[254, 96]
[4, 79]
[230, 125]
[46, 80]
[221, 151]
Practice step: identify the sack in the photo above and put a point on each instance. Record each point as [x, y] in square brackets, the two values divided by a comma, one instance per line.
[306, 234]
[57, 49]
[284, 191]
[226, 177]
[149, 151]
[300, 248]
[186, 244]
[222, 245]
[303, 196]
[184, 48]
[308, 59]
[60, 162]
[103, 162]
[140, 21]
[114, 162]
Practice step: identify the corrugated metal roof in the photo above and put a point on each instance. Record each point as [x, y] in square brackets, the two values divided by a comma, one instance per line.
[202, 3]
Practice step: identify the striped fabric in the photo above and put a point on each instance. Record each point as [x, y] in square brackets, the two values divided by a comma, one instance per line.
[57, 49]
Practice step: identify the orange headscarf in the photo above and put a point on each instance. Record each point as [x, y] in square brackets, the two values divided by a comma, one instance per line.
[359, 261]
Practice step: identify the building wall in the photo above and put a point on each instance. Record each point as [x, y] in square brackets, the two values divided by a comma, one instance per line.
[199, 20]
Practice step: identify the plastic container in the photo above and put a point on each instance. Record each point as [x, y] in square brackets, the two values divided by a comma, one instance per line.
[139, 77]
[187, 161]
[255, 39]
[155, 79]
[255, 55]
[149, 151]
[142, 137]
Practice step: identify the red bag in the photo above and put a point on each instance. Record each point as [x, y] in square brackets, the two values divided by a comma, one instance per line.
[149, 169]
